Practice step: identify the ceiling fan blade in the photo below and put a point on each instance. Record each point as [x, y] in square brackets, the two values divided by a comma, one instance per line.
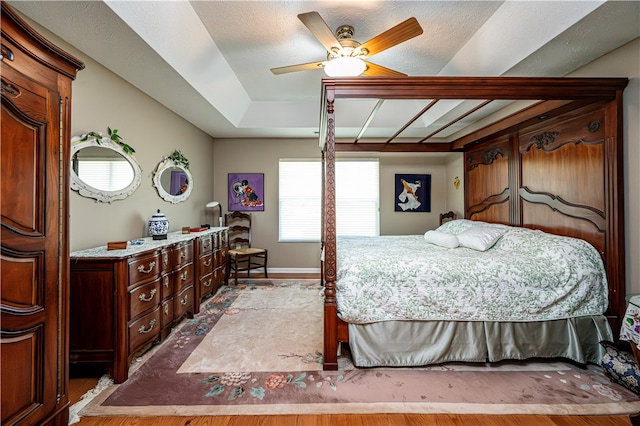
[375, 70]
[299, 67]
[314, 22]
[400, 33]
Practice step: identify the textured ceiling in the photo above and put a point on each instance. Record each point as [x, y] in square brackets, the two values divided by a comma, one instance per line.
[209, 61]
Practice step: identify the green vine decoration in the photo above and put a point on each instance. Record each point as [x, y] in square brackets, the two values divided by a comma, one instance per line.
[179, 159]
[113, 135]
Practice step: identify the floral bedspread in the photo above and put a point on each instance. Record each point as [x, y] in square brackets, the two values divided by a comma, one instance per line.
[526, 276]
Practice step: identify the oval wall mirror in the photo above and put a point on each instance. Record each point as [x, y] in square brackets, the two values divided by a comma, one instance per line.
[103, 170]
[172, 181]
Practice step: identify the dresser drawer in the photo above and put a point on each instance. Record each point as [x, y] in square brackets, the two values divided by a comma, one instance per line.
[182, 277]
[144, 268]
[206, 264]
[144, 297]
[207, 284]
[219, 275]
[223, 240]
[165, 258]
[183, 302]
[206, 244]
[182, 254]
[219, 256]
[166, 313]
[166, 286]
[144, 330]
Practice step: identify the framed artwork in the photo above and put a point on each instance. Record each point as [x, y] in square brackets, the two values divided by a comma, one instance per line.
[412, 193]
[179, 182]
[246, 192]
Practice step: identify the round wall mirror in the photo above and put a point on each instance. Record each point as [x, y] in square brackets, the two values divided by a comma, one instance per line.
[102, 170]
[172, 181]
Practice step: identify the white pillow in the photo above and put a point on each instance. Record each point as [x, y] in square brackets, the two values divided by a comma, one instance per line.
[441, 239]
[480, 237]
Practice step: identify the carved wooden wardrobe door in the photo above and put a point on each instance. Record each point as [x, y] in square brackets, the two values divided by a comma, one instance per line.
[36, 100]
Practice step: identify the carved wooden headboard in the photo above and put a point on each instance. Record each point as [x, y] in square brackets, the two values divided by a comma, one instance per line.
[559, 176]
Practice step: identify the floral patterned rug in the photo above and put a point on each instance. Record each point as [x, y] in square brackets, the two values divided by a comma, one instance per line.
[258, 355]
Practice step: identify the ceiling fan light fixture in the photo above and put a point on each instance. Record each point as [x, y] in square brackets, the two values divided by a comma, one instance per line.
[345, 66]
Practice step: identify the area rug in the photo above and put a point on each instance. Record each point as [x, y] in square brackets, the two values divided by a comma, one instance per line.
[256, 348]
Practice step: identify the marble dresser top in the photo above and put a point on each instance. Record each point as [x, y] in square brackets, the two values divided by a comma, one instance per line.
[148, 243]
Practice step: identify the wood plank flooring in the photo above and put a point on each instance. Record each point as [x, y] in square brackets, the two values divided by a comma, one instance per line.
[79, 385]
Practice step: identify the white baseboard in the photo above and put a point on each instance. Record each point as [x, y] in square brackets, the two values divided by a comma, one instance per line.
[293, 270]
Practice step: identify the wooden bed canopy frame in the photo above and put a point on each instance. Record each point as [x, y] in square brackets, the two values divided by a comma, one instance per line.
[555, 165]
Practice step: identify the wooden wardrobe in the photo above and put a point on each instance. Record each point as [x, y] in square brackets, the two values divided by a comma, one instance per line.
[34, 184]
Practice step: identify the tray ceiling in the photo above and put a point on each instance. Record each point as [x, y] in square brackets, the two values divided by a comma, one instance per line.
[209, 61]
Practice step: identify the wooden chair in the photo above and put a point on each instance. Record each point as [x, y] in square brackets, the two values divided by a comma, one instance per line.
[446, 217]
[242, 257]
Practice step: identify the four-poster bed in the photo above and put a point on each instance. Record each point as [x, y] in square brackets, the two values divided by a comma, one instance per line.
[553, 165]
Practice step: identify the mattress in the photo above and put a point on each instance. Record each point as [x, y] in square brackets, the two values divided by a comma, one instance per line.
[527, 275]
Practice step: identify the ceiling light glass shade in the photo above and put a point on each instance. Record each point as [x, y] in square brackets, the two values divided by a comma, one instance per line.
[345, 66]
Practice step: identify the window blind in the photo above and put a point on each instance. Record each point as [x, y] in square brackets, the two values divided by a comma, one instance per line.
[106, 175]
[300, 190]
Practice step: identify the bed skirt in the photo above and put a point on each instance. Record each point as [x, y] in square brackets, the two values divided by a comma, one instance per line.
[416, 343]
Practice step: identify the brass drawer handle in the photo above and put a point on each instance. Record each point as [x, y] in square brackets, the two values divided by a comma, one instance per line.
[165, 259]
[166, 281]
[183, 276]
[151, 265]
[5, 52]
[9, 89]
[208, 283]
[207, 263]
[142, 330]
[183, 301]
[183, 255]
[165, 305]
[152, 293]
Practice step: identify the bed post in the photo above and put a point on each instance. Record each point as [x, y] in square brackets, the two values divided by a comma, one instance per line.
[614, 205]
[329, 242]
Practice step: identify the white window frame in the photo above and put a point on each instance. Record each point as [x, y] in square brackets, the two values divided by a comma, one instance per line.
[304, 179]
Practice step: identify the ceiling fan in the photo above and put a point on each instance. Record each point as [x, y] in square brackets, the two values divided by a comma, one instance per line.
[346, 56]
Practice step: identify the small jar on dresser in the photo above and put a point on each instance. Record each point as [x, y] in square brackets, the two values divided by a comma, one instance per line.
[124, 300]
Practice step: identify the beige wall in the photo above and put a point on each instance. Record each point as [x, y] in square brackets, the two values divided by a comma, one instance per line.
[101, 99]
[625, 62]
[262, 156]
[455, 197]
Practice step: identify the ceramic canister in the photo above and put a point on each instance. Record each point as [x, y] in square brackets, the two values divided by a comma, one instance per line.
[158, 226]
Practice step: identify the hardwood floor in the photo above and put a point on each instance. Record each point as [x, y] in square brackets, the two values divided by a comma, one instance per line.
[81, 384]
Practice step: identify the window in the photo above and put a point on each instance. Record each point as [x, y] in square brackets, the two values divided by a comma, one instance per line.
[357, 199]
[106, 175]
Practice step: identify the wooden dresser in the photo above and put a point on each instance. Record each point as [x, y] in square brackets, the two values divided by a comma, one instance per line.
[34, 183]
[124, 300]
[212, 263]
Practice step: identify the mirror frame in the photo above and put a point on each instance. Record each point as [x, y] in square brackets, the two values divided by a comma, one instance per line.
[99, 195]
[164, 165]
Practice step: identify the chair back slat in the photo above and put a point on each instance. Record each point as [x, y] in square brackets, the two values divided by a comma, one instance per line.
[239, 224]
